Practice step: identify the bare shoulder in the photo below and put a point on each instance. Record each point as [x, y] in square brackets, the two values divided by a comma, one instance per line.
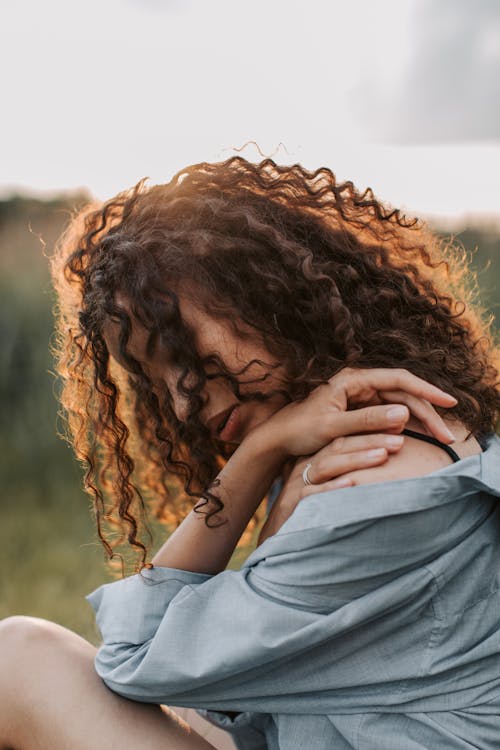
[416, 458]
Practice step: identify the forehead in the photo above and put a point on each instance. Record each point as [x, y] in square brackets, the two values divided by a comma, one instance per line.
[209, 334]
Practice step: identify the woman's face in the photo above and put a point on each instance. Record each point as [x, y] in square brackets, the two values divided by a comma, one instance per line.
[227, 418]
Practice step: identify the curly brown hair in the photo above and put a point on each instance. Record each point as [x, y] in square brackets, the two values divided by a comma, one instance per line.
[325, 275]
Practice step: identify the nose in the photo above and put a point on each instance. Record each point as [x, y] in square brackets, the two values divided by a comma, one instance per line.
[217, 396]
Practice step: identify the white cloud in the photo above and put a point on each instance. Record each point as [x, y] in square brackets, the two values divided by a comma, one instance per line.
[449, 88]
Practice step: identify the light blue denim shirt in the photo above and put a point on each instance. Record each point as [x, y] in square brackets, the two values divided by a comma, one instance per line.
[371, 620]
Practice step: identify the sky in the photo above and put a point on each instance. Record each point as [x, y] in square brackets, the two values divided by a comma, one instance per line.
[400, 95]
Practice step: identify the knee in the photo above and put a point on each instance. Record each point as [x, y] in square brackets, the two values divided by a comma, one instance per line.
[28, 655]
[30, 643]
[22, 637]
[18, 636]
[16, 631]
[21, 630]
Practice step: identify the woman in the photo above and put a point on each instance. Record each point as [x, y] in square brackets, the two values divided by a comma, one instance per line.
[255, 327]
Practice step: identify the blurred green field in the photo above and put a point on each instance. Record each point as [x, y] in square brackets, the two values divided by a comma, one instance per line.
[49, 554]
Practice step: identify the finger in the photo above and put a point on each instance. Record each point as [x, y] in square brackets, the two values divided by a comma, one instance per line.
[326, 468]
[352, 443]
[425, 412]
[368, 419]
[356, 381]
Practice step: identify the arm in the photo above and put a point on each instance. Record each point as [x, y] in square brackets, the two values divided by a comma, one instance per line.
[338, 465]
[358, 460]
[251, 639]
[195, 547]
[297, 429]
[348, 580]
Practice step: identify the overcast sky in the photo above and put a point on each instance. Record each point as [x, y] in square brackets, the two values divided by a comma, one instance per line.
[402, 95]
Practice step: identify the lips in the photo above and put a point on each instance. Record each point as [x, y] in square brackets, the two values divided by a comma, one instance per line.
[217, 423]
[231, 429]
[226, 425]
[225, 419]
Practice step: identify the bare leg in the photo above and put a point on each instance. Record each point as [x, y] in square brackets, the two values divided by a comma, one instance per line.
[52, 699]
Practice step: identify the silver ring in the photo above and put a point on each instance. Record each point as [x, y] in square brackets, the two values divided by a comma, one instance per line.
[305, 475]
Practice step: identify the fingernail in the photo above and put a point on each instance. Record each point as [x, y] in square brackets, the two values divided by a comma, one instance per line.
[396, 414]
[344, 483]
[448, 395]
[395, 441]
[451, 436]
[376, 453]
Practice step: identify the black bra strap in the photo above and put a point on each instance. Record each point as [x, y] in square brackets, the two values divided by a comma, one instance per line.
[434, 441]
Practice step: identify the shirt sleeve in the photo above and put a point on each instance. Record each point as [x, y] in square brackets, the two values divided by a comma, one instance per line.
[277, 634]
[248, 730]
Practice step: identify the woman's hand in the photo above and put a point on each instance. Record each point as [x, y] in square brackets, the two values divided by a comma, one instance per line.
[303, 428]
[326, 470]
[300, 429]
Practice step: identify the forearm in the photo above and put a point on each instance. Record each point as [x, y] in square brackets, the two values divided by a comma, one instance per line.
[244, 481]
